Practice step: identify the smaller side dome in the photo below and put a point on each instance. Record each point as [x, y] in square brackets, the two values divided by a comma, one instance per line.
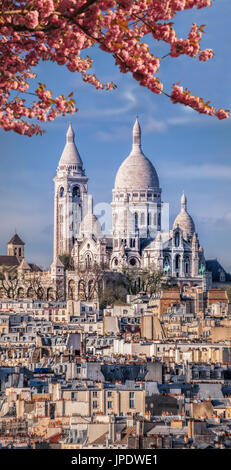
[184, 220]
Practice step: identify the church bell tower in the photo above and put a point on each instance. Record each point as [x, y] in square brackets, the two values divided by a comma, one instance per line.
[70, 198]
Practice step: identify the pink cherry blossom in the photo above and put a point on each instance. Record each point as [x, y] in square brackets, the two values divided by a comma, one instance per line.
[62, 30]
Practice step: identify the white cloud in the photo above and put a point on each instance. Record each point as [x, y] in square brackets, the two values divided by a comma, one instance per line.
[116, 134]
[205, 171]
[154, 125]
[228, 217]
[179, 120]
[129, 103]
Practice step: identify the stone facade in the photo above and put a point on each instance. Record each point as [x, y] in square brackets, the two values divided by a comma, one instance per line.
[137, 239]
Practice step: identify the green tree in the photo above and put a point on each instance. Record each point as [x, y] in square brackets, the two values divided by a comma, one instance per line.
[67, 261]
[147, 281]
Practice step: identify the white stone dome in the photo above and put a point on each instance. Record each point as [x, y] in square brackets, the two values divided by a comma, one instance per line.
[90, 225]
[70, 156]
[184, 220]
[136, 171]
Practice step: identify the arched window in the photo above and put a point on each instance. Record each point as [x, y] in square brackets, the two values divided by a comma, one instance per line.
[166, 261]
[81, 290]
[177, 239]
[20, 293]
[40, 293]
[177, 262]
[71, 289]
[136, 220]
[75, 192]
[88, 261]
[186, 264]
[61, 192]
[159, 219]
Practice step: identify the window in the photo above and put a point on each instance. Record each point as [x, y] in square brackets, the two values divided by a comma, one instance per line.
[95, 404]
[109, 394]
[131, 399]
[136, 220]
[75, 192]
[109, 405]
[88, 261]
[95, 394]
[142, 218]
[177, 239]
[177, 262]
[133, 261]
[61, 192]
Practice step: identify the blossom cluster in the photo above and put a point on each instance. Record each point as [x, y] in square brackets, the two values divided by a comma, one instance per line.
[60, 30]
[179, 95]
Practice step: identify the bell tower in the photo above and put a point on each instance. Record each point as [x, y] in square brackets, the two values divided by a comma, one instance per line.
[70, 197]
[16, 247]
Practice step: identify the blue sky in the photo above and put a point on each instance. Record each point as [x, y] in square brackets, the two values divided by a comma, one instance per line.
[190, 152]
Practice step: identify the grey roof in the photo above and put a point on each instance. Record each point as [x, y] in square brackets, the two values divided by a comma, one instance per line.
[215, 268]
[213, 391]
[9, 261]
[16, 240]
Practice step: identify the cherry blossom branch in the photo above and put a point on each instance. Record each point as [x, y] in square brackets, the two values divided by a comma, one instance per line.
[59, 30]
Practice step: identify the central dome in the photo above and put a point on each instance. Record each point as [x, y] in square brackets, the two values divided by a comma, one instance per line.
[136, 172]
